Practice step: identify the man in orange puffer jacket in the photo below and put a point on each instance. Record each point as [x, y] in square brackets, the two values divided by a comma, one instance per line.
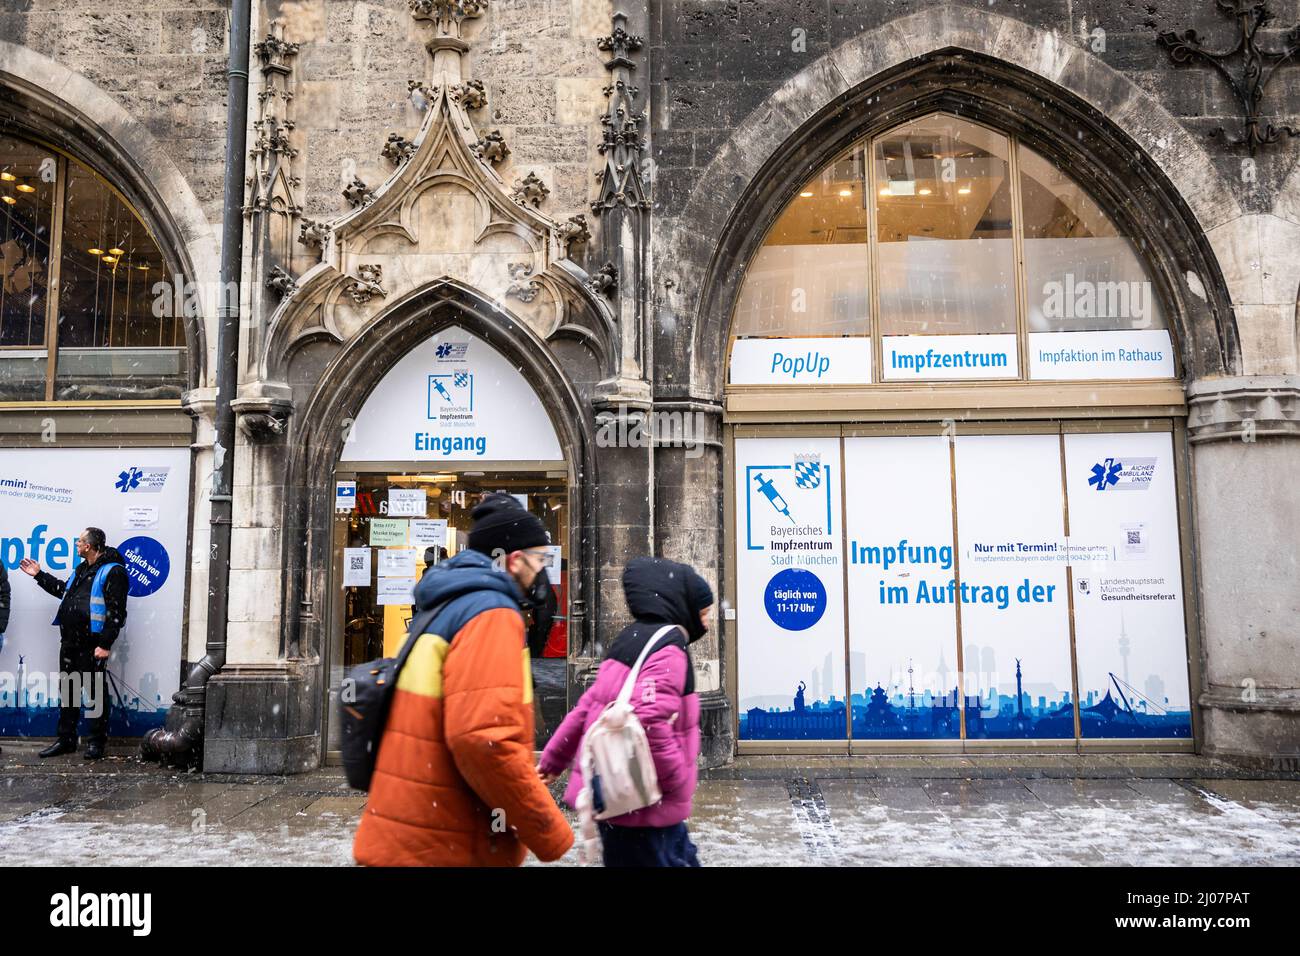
[454, 782]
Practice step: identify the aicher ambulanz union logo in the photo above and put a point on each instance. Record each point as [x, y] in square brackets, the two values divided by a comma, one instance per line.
[1135, 475]
[141, 480]
[451, 351]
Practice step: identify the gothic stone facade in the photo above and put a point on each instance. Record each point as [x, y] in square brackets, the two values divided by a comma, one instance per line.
[385, 135]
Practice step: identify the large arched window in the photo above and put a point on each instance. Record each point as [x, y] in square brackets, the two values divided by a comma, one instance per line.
[108, 333]
[946, 250]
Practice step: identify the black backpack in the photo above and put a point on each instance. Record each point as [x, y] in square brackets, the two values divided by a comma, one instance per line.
[364, 703]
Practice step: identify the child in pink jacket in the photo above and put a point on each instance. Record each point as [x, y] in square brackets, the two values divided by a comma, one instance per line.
[658, 592]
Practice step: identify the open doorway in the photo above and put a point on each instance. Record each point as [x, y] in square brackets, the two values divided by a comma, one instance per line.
[401, 521]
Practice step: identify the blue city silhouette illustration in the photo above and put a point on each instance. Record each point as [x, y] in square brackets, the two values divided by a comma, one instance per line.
[908, 714]
[31, 708]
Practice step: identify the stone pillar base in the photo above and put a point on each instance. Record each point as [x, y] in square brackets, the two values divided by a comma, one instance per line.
[1262, 733]
[262, 718]
[717, 742]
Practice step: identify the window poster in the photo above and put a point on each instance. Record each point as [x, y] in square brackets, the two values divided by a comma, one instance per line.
[790, 582]
[1015, 620]
[901, 596]
[1130, 634]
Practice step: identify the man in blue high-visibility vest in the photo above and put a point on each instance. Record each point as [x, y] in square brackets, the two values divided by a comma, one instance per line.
[91, 614]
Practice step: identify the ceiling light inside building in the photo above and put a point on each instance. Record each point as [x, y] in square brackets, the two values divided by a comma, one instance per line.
[9, 200]
[24, 188]
[8, 177]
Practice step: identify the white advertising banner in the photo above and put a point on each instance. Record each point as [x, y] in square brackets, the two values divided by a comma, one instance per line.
[452, 398]
[1066, 356]
[1130, 631]
[1015, 619]
[816, 361]
[790, 589]
[902, 604]
[912, 358]
[140, 497]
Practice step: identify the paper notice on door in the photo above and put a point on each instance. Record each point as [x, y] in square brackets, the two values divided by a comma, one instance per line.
[356, 567]
[394, 590]
[140, 516]
[388, 532]
[397, 562]
[345, 495]
[407, 502]
[554, 553]
[429, 533]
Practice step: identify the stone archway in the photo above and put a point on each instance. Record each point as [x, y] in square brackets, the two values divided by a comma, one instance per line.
[321, 427]
[1140, 161]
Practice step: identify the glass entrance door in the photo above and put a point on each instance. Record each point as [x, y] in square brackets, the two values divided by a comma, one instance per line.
[400, 523]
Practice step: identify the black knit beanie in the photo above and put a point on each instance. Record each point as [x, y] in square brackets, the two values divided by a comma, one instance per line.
[501, 526]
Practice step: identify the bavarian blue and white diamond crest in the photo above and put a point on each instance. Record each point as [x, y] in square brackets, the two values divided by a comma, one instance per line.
[807, 474]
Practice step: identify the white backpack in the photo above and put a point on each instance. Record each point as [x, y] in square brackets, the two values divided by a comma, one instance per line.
[616, 758]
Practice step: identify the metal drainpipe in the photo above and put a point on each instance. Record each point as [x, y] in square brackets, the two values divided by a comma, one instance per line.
[184, 746]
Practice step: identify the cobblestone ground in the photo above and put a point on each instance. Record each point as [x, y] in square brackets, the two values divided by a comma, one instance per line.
[924, 811]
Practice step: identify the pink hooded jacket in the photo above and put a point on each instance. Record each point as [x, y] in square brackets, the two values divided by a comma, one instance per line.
[663, 698]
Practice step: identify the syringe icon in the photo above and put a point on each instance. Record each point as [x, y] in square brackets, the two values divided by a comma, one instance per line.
[442, 390]
[772, 495]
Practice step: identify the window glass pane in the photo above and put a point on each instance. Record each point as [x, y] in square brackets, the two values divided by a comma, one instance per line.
[944, 226]
[1082, 274]
[27, 174]
[810, 275]
[111, 344]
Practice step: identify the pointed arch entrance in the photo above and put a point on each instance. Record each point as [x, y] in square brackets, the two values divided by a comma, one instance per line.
[440, 399]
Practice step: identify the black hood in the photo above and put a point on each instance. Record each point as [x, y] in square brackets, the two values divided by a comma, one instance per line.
[659, 591]
[110, 555]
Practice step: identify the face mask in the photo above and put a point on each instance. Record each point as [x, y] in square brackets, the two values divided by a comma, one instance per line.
[539, 593]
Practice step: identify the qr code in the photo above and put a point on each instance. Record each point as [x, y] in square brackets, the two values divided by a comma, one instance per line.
[1134, 537]
[356, 562]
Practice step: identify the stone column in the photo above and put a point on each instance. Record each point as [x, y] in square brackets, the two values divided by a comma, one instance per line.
[689, 528]
[1245, 443]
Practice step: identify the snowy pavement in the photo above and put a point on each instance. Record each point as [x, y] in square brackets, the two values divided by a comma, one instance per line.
[1143, 810]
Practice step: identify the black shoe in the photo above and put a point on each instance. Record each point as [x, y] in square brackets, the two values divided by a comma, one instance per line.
[94, 751]
[58, 748]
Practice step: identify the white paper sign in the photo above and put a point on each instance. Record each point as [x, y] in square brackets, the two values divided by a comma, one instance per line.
[140, 516]
[824, 361]
[554, 554]
[522, 499]
[394, 590]
[407, 503]
[345, 495]
[397, 562]
[429, 533]
[356, 567]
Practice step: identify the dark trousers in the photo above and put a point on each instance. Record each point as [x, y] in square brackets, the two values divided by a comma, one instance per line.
[78, 662]
[647, 846]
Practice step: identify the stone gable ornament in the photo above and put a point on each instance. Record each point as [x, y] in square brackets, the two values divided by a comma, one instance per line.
[398, 149]
[492, 148]
[313, 233]
[530, 191]
[470, 94]
[280, 281]
[358, 193]
[366, 284]
[524, 291]
[605, 281]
